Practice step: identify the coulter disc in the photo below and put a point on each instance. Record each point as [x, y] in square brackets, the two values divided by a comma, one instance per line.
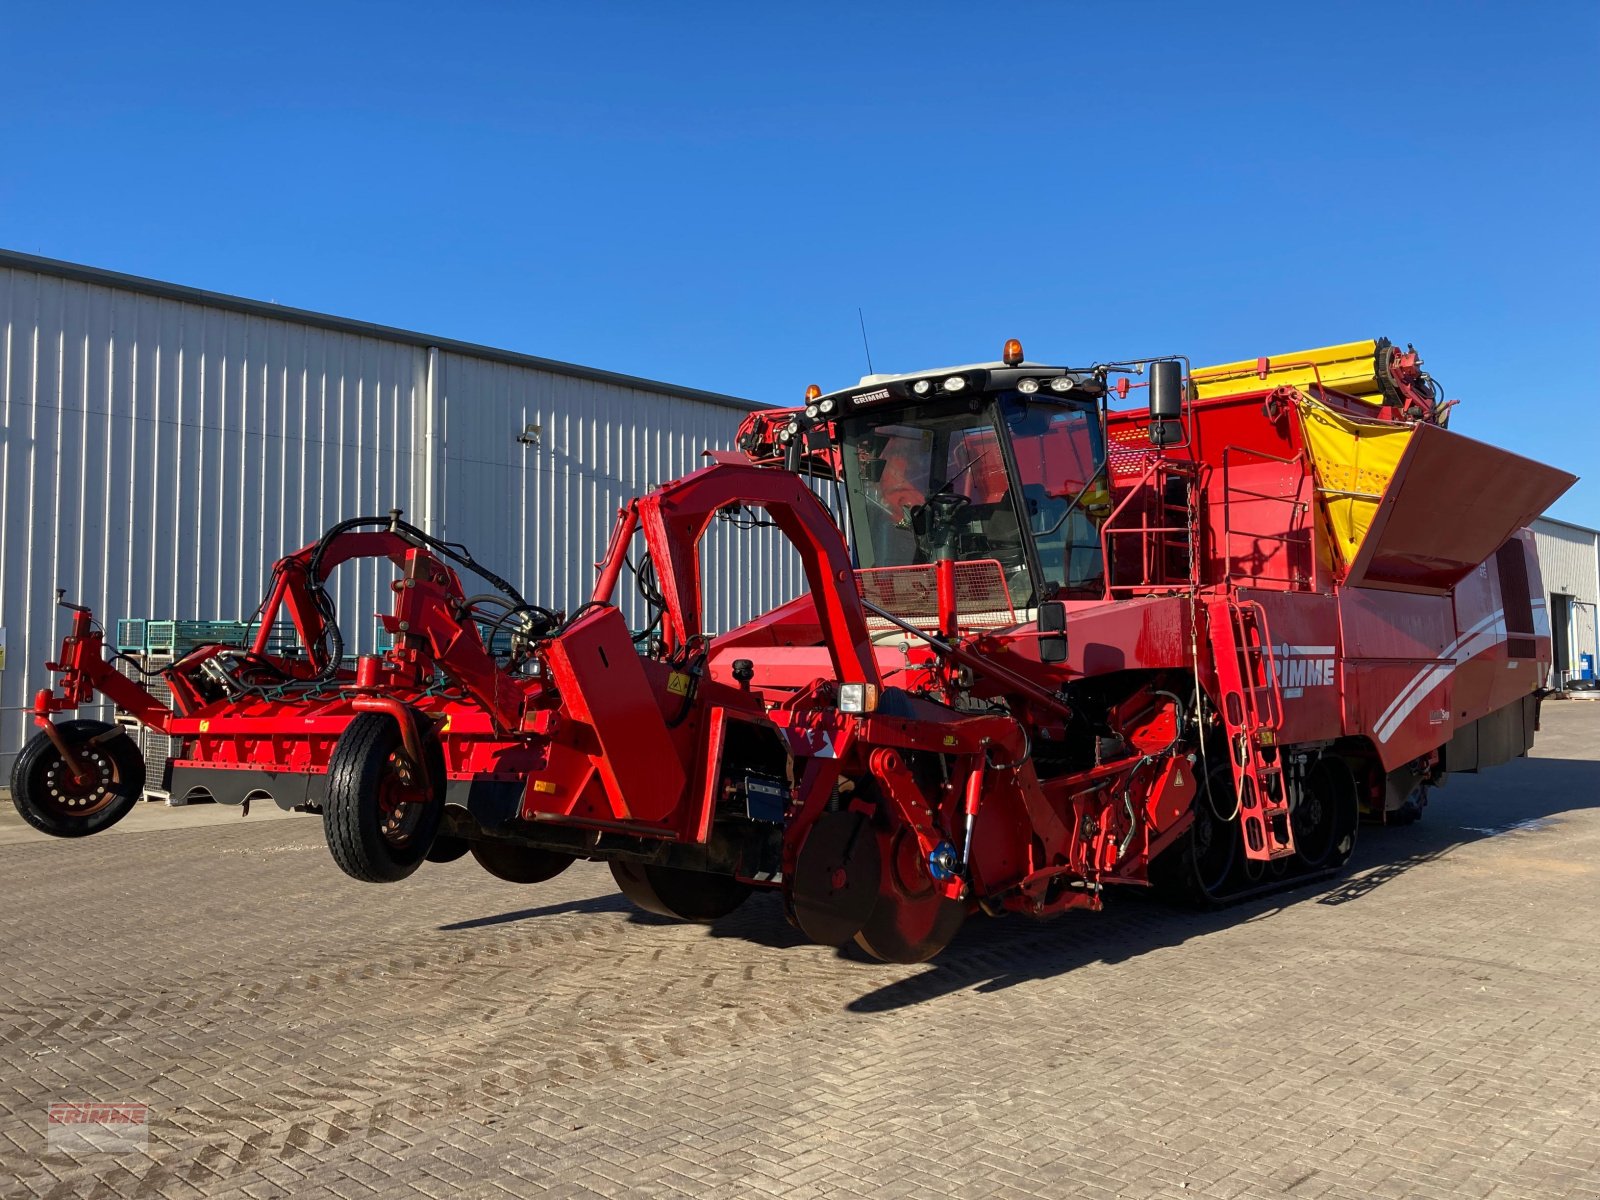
[447, 848]
[675, 892]
[836, 878]
[519, 864]
[912, 920]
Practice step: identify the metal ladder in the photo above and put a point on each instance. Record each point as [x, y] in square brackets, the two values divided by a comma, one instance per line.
[1252, 714]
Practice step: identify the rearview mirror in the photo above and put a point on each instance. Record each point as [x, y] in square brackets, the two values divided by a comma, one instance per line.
[1166, 402]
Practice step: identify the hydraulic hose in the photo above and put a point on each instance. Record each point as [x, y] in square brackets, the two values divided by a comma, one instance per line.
[333, 638]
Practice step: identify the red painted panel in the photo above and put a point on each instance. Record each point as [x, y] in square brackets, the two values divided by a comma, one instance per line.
[1387, 625]
[1127, 634]
[603, 685]
[1451, 503]
[1404, 707]
[1303, 629]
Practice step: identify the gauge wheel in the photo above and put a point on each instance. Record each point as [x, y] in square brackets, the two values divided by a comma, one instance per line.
[380, 816]
[54, 801]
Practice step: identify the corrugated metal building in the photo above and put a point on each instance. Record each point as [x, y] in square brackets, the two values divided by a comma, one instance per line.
[1569, 561]
[161, 446]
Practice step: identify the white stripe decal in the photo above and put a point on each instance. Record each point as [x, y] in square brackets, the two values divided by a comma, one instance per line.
[1486, 640]
[1541, 619]
[1448, 653]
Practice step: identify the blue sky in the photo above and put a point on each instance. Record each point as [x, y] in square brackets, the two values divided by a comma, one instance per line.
[706, 194]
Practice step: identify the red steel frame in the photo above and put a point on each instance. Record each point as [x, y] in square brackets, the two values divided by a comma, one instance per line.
[1288, 650]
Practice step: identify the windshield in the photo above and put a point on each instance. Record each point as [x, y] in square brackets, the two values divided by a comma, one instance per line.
[1060, 469]
[925, 484]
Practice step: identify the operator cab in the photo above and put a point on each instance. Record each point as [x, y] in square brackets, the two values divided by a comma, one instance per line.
[994, 463]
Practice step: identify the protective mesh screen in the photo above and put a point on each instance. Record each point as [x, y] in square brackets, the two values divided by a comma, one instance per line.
[983, 600]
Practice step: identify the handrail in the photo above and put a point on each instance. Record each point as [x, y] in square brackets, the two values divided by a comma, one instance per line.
[1268, 659]
[1140, 489]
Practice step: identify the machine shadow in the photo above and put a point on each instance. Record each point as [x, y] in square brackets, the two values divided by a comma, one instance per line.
[591, 904]
[989, 956]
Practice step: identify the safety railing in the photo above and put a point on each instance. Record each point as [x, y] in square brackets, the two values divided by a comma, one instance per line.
[1157, 543]
[1293, 535]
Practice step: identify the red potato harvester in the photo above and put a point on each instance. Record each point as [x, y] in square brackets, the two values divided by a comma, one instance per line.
[1187, 645]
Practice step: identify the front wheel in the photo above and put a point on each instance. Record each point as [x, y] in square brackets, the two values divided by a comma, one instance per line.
[381, 813]
[55, 801]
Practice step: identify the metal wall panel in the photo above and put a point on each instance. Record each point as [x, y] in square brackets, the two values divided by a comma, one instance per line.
[542, 508]
[159, 448]
[1567, 559]
[157, 456]
[1569, 562]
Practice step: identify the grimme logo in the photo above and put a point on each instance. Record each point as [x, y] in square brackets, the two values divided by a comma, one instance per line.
[1300, 667]
[82, 1128]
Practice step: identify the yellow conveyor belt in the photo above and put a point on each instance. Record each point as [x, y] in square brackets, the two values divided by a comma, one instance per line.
[1351, 368]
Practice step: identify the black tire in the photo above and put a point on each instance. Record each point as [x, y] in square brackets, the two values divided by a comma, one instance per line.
[54, 803]
[1322, 812]
[1347, 821]
[520, 864]
[379, 827]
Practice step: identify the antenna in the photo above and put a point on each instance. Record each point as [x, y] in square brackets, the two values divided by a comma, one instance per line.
[864, 344]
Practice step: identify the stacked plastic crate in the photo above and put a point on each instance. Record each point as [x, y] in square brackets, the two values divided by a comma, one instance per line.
[148, 646]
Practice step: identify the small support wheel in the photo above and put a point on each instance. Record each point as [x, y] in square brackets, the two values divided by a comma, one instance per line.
[1346, 816]
[54, 800]
[381, 814]
[1324, 813]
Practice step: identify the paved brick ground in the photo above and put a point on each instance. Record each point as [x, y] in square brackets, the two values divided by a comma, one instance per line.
[1429, 1026]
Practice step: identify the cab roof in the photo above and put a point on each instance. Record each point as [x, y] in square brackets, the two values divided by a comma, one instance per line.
[980, 377]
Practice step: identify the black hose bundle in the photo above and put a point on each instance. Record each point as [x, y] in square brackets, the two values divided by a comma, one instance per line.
[644, 577]
[542, 622]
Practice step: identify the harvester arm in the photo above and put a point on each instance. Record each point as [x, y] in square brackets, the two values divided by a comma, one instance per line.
[85, 670]
[298, 578]
[673, 519]
[428, 622]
